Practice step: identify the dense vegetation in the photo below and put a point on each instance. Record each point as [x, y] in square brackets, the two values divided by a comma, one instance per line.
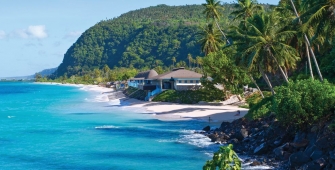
[143, 39]
[157, 37]
[276, 45]
[189, 96]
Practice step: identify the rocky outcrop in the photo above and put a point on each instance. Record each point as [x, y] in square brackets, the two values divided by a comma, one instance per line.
[282, 147]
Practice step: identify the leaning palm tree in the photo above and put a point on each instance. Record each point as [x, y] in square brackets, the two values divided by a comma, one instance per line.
[245, 9]
[305, 28]
[321, 16]
[212, 11]
[267, 51]
[290, 9]
[211, 40]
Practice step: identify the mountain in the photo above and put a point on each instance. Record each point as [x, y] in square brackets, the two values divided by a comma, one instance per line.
[45, 72]
[143, 38]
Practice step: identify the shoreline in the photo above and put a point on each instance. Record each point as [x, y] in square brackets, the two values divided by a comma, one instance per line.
[166, 111]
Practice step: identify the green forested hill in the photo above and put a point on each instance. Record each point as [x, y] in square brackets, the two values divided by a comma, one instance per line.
[143, 38]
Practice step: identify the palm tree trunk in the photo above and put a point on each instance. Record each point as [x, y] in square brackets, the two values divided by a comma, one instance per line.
[265, 77]
[308, 44]
[253, 80]
[309, 61]
[281, 69]
[224, 35]
[314, 59]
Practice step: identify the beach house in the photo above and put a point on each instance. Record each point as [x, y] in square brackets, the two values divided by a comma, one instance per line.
[177, 79]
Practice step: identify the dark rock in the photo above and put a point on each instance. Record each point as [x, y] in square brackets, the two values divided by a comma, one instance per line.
[286, 155]
[224, 125]
[213, 137]
[207, 128]
[311, 166]
[279, 151]
[309, 150]
[325, 143]
[302, 143]
[234, 141]
[321, 162]
[298, 159]
[261, 149]
[332, 155]
[316, 154]
[277, 142]
[241, 134]
[300, 136]
[255, 163]
[312, 137]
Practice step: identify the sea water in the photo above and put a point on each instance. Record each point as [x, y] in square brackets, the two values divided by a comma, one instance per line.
[64, 127]
[67, 127]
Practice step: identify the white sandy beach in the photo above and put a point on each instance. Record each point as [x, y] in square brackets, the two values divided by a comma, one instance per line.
[169, 111]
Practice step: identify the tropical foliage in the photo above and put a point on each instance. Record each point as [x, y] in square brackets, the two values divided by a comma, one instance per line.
[224, 159]
[305, 101]
[154, 37]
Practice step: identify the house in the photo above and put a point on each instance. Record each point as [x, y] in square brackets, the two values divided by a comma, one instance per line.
[143, 79]
[177, 79]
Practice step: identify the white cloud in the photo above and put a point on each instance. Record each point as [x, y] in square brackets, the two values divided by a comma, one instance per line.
[73, 34]
[33, 31]
[2, 34]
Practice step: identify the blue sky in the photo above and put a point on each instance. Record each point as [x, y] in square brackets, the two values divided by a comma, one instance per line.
[35, 34]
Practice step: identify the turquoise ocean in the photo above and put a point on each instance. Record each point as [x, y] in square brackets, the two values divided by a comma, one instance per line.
[65, 127]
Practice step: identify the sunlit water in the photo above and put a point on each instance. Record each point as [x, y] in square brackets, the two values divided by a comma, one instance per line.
[65, 127]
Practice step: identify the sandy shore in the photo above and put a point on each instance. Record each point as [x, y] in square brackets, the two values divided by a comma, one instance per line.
[172, 111]
[169, 111]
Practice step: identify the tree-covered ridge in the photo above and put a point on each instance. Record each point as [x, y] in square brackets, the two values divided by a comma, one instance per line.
[144, 39]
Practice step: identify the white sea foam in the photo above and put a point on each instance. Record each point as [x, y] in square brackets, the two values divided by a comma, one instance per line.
[114, 102]
[9, 117]
[166, 141]
[107, 127]
[101, 98]
[247, 166]
[195, 139]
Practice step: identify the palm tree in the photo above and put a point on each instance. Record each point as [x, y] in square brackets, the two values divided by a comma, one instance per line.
[197, 59]
[210, 39]
[246, 8]
[212, 11]
[308, 44]
[190, 60]
[299, 42]
[267, 50]
[321, 16]
[173, 60]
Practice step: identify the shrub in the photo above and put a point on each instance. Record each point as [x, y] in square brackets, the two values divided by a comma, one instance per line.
[256, 98]
[304, 102]
[224, 159]
[187, 96]
[261, 109]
